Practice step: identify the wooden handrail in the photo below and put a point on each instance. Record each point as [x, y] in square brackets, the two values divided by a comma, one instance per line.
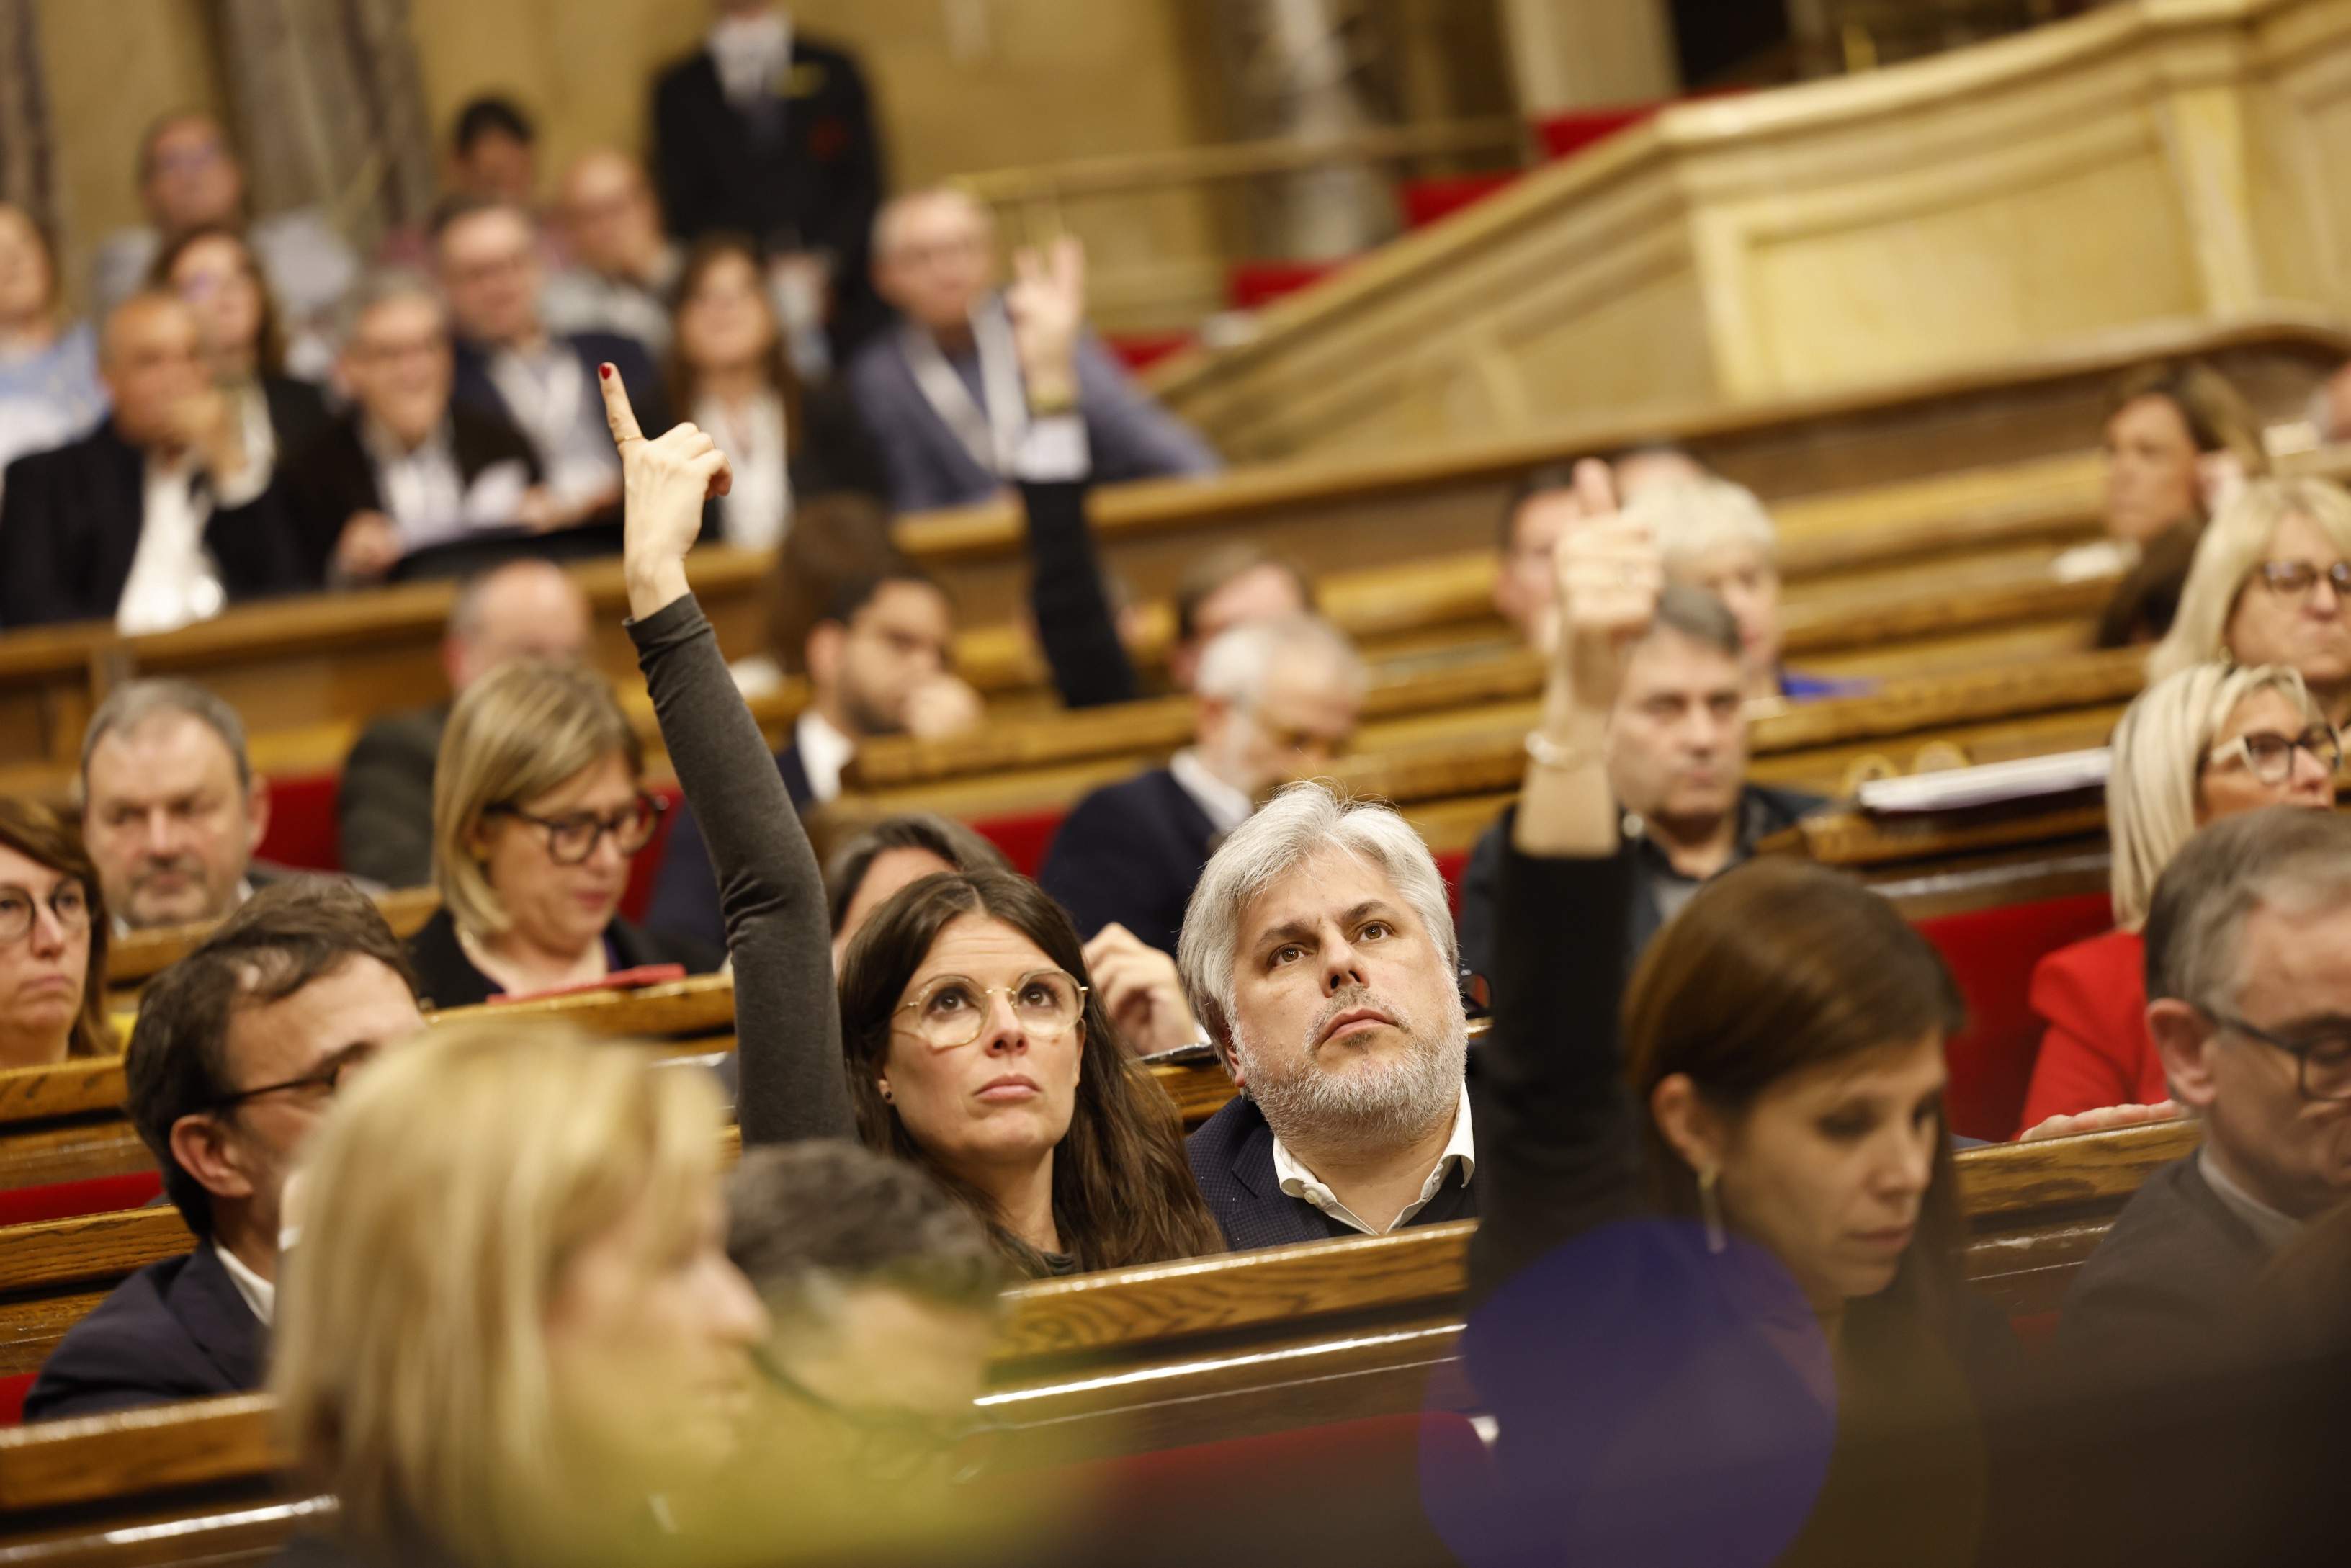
[1124, 172]
[1070, 1332]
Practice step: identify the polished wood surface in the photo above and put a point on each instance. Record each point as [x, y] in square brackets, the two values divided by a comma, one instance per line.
[1924, 469]
[1175, 1353]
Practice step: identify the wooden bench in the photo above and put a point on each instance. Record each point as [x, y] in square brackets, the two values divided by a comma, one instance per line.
[67, 1150]
[1903, 472]
[1120, 1363]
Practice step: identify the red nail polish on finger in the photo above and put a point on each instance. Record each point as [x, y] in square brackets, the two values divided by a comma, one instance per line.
[605, 371]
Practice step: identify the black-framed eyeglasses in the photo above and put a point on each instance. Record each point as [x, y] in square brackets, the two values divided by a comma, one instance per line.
[2322, 1062]
[68, 904]
[2268, 755]
[327, 1079]
[896, 1444]
[2296, 579]
[572, 838]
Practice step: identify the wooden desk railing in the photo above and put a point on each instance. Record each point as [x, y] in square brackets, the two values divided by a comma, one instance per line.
[1105, 1363]
[1875, 613]
[1451, 770]
[1909, 457]
[65, 1123]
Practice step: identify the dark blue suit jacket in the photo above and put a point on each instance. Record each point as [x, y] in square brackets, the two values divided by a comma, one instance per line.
[1232, 1159]
[175, 1330]
[69, 529]
[686, 890]
[1131, 852]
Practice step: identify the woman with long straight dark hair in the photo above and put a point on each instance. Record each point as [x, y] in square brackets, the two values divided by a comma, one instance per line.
[1031, 1111]
[977, 1046]
[1723, 1318]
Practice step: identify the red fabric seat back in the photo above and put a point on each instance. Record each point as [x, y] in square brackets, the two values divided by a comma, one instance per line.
[303, 832]
[1025, 840]
[1347, 1492]
[1425, 202]
[646, 868]
[1991, 954]
[73, 1199]
[1251, 285]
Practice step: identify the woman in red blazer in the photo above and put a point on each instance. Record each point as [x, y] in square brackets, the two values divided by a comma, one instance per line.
[2206, 743]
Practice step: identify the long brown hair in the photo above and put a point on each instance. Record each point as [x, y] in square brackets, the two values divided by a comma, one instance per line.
[41, 834]
[1776, 966]
[270, 341]
[684, 382]
[1123, 1190]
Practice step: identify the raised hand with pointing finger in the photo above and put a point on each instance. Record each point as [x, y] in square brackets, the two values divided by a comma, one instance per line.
[664, 483]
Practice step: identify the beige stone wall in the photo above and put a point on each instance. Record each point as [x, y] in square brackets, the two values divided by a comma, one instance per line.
[112, 66]
[964, 84]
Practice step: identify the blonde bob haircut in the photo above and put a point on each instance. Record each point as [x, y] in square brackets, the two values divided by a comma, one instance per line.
[516, 733]
[2234, 546]
[444, 1195]
[2158, 753]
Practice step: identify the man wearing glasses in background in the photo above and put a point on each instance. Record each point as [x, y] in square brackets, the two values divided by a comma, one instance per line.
[2249, 988]
[239, 1049]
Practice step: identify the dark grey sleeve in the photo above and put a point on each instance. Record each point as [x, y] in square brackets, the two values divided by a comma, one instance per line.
[787, 1015]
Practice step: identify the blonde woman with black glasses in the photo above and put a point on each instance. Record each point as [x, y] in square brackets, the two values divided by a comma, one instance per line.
[2271, 585]
[2210, 741]
[538, 809]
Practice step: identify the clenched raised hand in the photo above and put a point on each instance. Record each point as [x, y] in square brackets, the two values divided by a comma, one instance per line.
[665, 482]
[1611, 576]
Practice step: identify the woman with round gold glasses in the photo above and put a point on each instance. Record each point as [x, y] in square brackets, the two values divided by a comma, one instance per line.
[976, 1045]
[539, 807]
[977, 1049]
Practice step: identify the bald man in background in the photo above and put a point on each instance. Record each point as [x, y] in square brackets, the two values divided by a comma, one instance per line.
[523, 609]
[157, 518]
[624, 269]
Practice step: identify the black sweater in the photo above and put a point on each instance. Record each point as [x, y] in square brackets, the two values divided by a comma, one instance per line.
[787, 1014]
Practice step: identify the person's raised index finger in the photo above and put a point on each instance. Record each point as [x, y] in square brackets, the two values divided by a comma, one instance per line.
[617, 411]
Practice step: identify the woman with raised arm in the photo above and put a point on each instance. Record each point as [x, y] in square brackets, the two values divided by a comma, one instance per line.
[1027, 1109]
[1720, 1313]
[769, 890]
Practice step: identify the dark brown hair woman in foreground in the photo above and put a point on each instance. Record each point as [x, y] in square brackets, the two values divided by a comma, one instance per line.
[1721, 1319]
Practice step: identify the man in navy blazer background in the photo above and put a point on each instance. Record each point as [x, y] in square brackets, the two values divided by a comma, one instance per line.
[238, 1051]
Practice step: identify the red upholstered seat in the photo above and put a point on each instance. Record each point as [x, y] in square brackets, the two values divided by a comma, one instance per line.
[1249, 284]
[302, 828]
[1991, 954]
[1451, 865]
[73, 1199]
[1141, 351]
[1025, 840]
[1564, 135]
[647, 865]
[12, 1397]
[1425, 202]
[1240, 1500]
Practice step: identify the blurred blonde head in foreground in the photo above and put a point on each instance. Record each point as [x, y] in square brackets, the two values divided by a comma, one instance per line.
[510, 1323]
